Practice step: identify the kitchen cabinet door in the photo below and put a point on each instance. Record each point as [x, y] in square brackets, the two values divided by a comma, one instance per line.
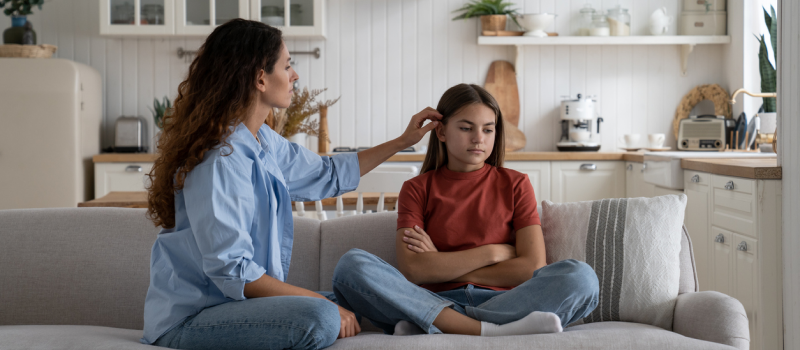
[696, 221]
[128, 177]
[634, 181]
[200, 17]
[745, 280]
[296, 18]
[137, 17]
[539, 175]
[719, 269]
[575, 181]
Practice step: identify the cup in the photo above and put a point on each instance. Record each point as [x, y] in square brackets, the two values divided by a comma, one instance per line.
[656, 140]
[580, 135]
[630, 140]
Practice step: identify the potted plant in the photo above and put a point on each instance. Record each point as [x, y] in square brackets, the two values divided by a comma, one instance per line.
[493, 13]
[769, 74]
[293, 123]
[159, 110]
[19, 10]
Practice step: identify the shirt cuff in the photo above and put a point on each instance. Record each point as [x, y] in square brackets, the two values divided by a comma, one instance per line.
[234, 288]
[348, 171]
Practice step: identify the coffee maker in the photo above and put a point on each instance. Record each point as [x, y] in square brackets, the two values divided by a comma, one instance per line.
[580, 125]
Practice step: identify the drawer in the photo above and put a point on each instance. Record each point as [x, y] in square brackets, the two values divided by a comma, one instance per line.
[700, 5]
[110, 177]
[693, 178]
[734, 204]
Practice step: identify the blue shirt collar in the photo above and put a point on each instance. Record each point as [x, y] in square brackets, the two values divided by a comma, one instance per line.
[241, 132]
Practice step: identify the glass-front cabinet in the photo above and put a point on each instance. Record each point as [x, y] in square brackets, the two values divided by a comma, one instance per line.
[296, 18]
[302, 18]
[141, 17]
[200, 17]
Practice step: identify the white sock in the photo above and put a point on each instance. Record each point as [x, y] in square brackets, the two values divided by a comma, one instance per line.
[536, 322]
[407, 328]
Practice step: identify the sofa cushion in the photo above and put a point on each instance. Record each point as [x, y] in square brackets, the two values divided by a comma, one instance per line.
[602, 335]
[70, 338]
[633, 244]
[304, 268]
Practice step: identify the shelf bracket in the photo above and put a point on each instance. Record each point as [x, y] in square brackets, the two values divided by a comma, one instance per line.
[686, 49]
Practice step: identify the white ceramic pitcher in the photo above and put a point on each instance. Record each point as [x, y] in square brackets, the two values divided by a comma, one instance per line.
[659, 22]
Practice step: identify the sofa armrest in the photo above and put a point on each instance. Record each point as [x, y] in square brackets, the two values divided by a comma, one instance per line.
[712, 316]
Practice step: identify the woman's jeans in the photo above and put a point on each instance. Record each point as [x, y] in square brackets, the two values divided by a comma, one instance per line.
[286, 322]
[367, 285]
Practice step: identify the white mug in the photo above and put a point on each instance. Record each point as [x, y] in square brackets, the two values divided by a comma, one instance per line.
[580, 135]
[656, 140]
[630, 140]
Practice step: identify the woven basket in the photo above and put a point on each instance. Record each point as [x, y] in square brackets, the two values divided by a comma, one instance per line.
[28, 51]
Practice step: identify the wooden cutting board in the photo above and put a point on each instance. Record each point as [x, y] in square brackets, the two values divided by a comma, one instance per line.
[501, 82]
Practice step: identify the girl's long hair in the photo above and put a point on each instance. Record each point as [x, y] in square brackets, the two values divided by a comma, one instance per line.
[453, 100]
[218, 92]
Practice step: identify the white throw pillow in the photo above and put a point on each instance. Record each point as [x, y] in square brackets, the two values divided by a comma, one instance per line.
[631, 243]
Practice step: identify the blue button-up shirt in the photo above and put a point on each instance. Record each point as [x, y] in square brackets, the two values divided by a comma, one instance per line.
[233, 223]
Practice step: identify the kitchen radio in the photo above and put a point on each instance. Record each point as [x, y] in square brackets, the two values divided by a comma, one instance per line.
[701, 134]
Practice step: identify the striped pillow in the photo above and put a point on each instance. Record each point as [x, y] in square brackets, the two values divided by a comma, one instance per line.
[631, 243]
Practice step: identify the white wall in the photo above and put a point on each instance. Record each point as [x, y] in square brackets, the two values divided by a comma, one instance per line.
[389, 59]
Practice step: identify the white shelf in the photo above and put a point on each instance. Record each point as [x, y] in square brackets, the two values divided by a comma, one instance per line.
[686, 42]
[607, 40]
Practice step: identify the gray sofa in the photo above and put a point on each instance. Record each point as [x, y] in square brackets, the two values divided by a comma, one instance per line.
[76, 278]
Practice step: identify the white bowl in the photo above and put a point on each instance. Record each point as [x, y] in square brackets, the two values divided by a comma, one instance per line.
[536, 23]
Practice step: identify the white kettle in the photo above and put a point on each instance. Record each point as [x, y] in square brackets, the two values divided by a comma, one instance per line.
[659, 22]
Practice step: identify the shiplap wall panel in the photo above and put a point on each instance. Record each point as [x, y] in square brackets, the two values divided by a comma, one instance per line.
[388, 59]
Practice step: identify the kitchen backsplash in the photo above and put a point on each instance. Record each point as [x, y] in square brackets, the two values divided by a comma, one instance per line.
[389, 59]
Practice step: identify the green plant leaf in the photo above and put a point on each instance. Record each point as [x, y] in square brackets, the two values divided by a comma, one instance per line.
[768, 75]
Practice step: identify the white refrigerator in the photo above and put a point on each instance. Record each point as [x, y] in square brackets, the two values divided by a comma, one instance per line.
[50, 127]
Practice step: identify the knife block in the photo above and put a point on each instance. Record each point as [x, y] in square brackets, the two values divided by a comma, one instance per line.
[324, 145]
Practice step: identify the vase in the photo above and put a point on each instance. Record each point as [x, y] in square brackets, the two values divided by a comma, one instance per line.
[493, 22]
[299, 138]
[15, 34]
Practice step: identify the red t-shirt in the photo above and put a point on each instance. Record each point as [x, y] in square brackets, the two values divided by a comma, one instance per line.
[461, 211]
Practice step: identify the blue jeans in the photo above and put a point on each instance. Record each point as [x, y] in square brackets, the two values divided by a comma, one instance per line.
[286, 322]
[367, 285]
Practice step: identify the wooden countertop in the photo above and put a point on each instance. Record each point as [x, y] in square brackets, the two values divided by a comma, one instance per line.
[139, 200]
[751, 168]
[418, 157]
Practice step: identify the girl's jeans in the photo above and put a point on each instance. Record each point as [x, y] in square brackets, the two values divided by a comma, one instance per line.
[367, 285]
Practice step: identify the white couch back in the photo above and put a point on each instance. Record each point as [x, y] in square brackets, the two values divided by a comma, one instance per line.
[91, 266]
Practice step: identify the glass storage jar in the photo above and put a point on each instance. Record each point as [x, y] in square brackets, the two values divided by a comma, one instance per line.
[585, 19]
[599, 26]
[619, 21]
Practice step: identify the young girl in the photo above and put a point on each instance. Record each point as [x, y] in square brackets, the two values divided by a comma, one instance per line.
[470, 250]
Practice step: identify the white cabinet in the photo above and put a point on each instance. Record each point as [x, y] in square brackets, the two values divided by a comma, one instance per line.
[735, 226]
[634, 181]
[295, 18]
[697, 221]
[109, 177]
[305, 18]
[200, 17]
[539, 174]
[575, 181]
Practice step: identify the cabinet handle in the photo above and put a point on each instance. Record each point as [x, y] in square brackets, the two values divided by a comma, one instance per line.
[588, 166]
[644, 166]
[729, 185]
[742, 246]
[696, 178]
[133, 169]
[630, 167]
[720, 238]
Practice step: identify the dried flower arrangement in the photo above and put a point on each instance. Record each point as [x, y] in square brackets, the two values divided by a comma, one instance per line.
[295, 119]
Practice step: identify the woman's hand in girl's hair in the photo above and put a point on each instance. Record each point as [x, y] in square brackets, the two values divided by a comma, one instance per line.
[415, 131]
[419, 241]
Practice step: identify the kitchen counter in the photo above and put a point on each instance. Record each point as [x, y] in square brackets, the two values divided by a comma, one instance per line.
[747, 168]
[419, 157]
[761, 169]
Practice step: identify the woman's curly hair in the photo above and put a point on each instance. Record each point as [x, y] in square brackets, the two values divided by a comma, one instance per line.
[218, 92]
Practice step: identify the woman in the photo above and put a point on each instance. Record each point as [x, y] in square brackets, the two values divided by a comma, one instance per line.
[222, 188]
[480, 266]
